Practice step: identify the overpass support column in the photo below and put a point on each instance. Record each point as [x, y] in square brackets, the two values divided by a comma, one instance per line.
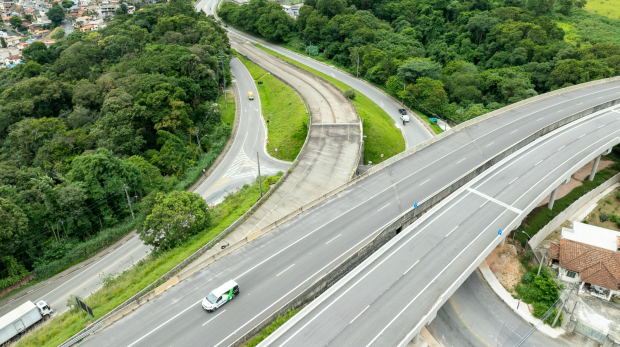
[594, 167]
[552, 199]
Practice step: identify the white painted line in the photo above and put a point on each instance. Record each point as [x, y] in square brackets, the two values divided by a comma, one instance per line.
[411, 267]
[207, 322]
[560, 148]
[452, 230]
[287, 269]
[425, 181]
[581, 103]
[333, 239]
[600, 97]
[364, 310]
[601, 126]
[495, 200]
[484, 203]
[514, 131]
[538, 162]
[460, 160]
[384, 207]
[581, 136]
[490, 144]
[164, 323]
[559, 111]
[513, 181]
[539, 119]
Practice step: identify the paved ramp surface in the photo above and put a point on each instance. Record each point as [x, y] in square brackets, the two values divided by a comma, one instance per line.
[393, 294]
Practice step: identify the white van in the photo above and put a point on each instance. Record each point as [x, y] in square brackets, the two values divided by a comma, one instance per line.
[220, 296]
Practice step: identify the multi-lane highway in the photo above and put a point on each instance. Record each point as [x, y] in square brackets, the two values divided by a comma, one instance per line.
[399, 289]
[237, 168]
[274, 268]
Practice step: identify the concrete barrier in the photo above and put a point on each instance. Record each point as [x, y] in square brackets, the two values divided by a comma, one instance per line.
[545, 231]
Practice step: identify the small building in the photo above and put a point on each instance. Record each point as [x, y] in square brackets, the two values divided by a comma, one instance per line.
[13, 60]
[87, 28]
[292, 10]
[589, 255]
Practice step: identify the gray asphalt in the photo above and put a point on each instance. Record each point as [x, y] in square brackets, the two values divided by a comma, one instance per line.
[396, 293]
[314, 242]
[413, 133]
[237, 168]
[475, 317]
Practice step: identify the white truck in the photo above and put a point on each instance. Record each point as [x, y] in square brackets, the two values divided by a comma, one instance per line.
[21, 319]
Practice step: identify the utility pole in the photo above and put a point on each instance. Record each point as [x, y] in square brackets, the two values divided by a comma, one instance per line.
[540, 266]
[260, 182]
[129, 201]
[221, 58]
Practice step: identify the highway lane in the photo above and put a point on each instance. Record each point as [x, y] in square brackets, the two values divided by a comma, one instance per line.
[240, 165]
[387, 297]
[475, 317]
[237, 168]
[320, 238]
[413, 133]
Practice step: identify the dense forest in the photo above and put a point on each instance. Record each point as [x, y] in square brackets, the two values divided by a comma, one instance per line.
[457, 59]
[131, 106]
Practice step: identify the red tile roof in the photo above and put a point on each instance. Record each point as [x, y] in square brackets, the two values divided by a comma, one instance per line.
[595, 265]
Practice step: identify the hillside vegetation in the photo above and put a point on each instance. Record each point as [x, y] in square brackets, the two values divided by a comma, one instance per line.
[458, 59]
[131, 106]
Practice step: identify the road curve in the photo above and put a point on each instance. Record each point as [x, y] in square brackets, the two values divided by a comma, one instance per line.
[392, 295]
[414, 133]
[277, 266]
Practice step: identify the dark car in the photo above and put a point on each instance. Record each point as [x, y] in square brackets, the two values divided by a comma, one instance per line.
[402, 111]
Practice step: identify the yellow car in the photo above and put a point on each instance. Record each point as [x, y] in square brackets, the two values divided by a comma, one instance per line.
[250, 95]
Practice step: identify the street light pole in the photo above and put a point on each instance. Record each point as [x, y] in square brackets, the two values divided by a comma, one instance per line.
[221, 57]
[260, 181]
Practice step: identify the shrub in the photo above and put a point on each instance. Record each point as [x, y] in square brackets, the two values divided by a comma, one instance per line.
[529, 254]
[527, 278]
[603, 217]
[350, 93]
[312, 50]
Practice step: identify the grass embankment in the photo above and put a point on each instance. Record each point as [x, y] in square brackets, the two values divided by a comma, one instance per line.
[145, 272]
[271, 328]
[283, 111]
[541, 216]
[608, 8]
[382, 136]
[228, 113]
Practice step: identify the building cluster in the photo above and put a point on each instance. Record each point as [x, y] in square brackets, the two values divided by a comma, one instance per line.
[84, 15]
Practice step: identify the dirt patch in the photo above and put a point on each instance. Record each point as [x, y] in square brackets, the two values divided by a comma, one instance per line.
[505, 265]
[610, 206]
[577, 179]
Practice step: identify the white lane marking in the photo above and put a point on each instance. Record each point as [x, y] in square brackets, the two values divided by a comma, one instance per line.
[164, 323]
[560, 148]
[294, 289]
[388, 204]
[333, 239]
[425, 181]
[411, 267]
[374, 268]
[286, 269]
[538, 162]
[514, 131]
[484, 203]
[333, 75]
[207, 322]
[431, 282]
[513, 181]
[513, 209]
[460, 160]
[452, 230]
[559, 111]
[600, 97]
[539, 119]
[601, 126]
[364, 310]
[490, 144]
[581, 103]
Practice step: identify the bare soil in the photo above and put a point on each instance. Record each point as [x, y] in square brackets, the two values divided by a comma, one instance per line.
[504, 263]
[609, 205]
[577, 179]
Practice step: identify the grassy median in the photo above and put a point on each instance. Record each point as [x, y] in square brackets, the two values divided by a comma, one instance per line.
[382, 135]
[118, 290]
[283, 111]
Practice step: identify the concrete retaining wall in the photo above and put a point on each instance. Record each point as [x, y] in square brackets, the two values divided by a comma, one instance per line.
[569, 211]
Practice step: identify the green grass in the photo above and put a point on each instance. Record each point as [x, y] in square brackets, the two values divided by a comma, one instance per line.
[284, 113]
[608, 8]
[271, 328]
[228, 113]
[541, 216]
[145, 272]
[382, 136]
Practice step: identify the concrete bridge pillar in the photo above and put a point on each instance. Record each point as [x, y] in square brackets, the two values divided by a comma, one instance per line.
[594, 167]
[417, 341]
[552, 199]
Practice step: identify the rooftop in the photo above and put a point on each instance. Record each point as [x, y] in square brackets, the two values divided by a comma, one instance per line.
[592, 235]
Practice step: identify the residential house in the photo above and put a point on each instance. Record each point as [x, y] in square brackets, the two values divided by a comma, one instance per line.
[292, 10]
[12, 41]
[589, 255]
[6, 19]
[107, 10]
[87, 28]
[13, 60]
[3, 34]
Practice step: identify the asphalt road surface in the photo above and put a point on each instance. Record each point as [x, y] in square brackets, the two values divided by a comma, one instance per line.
[277, 266]
[395, 291]
[238, 167]
[414, 132]
[475, 317]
